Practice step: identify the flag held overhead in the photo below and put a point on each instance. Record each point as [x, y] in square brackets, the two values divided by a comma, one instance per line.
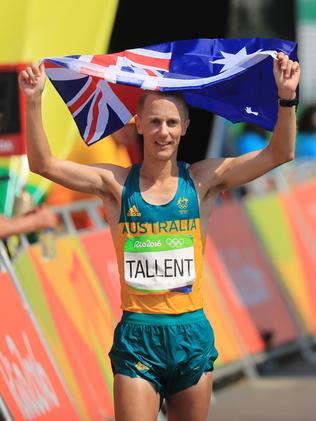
[229, 77]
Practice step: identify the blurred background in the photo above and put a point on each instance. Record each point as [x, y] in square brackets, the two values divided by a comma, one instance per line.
[59, 287]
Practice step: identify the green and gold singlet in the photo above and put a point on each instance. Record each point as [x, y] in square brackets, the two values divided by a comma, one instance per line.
[160, 249]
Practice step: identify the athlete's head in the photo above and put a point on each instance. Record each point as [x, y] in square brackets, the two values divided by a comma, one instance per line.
[162, 118]
[176, 95]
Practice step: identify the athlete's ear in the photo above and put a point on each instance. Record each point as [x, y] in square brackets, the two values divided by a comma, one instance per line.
[138, 123]
[185, 126]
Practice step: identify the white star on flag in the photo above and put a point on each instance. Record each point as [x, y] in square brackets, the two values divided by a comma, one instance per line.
[241, 58]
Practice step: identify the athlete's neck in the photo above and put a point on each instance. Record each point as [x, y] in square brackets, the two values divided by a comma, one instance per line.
[159, 170]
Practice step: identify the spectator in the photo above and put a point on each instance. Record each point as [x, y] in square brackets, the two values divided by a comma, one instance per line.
[35, 220]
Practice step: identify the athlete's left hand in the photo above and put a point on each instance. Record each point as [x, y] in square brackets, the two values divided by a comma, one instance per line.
[286, 74]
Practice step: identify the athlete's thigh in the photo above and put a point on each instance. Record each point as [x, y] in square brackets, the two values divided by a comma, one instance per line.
[135, 399]
[191, 404]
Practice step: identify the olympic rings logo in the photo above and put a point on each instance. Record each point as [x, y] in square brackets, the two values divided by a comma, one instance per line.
[175, 242]
[183, 202]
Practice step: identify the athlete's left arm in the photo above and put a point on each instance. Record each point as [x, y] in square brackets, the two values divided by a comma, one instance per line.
[221, 174]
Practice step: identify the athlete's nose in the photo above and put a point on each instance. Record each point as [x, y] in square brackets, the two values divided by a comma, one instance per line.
[163, 129]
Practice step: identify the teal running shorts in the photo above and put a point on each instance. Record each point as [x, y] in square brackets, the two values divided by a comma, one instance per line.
[170, 351]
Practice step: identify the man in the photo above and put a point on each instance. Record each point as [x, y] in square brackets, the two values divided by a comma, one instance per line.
[158, 214]
[26, 218]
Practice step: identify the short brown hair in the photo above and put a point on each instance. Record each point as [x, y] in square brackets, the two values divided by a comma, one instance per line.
[168, 94]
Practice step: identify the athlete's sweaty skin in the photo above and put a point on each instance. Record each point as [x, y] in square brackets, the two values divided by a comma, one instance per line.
[162, 120]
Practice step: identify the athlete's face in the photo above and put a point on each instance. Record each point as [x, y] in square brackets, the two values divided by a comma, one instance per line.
[162, 122]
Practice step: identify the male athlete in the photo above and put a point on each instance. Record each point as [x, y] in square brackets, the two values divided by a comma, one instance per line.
[158, 214]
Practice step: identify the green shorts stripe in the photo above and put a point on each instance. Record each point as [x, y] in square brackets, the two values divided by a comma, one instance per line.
[163, 319]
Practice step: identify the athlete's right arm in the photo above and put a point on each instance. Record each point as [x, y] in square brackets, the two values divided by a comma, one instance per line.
[95, 179]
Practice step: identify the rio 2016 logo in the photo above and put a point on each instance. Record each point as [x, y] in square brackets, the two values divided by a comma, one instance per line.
[147, 243]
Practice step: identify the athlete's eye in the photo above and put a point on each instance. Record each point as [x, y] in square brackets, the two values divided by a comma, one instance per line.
[155, 121]
[173, 122]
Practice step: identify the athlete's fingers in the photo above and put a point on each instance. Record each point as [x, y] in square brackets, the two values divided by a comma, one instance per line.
[42, 68]
[33, 75]
[288, 70]
[295, 67]
[24, 76]
[280, 55]
[282, 60]
[30, 75]
[35, 68]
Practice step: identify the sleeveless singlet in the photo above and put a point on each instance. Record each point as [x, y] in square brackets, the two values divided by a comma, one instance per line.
[160, 249]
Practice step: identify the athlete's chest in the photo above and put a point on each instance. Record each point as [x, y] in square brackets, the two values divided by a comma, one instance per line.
[173, 200]
[158, 193]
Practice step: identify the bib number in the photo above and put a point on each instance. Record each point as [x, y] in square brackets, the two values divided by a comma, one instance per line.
[156, 263]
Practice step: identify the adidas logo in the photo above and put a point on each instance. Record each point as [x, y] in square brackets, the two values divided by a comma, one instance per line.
[140, 366]
[133, 211]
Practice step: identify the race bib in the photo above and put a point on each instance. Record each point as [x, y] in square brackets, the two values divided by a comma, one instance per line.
[159, 262]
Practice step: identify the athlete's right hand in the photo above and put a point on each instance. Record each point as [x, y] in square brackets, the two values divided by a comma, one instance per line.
[32, 80]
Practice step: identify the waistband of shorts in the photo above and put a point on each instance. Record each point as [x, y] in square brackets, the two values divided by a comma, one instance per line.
[163, 319]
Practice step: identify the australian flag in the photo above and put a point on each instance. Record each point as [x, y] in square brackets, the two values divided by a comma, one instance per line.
[229, 77]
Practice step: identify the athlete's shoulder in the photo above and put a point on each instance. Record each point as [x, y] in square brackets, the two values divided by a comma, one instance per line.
[205, 172]
[113, 173]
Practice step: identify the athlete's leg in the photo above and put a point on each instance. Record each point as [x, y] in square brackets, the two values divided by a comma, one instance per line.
[135, 399]
[191, 404]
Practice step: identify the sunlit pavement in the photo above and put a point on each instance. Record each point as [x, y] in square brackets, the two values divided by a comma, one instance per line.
[286, 393]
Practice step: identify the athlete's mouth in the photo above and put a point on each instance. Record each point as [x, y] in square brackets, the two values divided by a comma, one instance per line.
[160, 143]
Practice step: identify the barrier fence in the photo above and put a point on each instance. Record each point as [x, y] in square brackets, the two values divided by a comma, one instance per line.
[58, 311]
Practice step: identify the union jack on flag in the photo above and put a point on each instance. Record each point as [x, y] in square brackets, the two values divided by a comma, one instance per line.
[229, 77]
